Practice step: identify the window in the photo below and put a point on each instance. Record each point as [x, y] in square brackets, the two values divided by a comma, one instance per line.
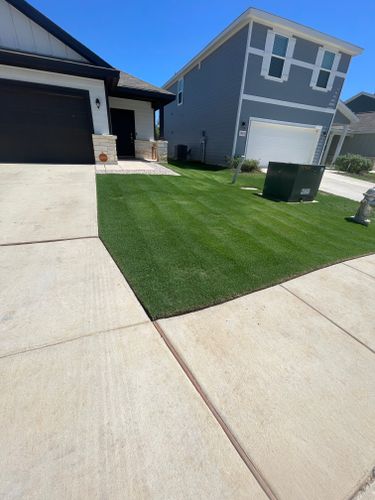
[277, 57]
[280, 45]
[327, 63]
[180, 91]
[324, 73]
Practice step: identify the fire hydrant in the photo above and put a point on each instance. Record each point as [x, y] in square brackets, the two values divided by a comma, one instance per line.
[365, 208]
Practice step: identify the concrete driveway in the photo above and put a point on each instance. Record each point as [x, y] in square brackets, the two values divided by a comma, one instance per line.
[92, 403]
[341, 185]
[40, 203]
[268, 396]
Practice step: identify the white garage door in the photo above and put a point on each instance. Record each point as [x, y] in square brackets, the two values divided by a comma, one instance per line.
[281, 142]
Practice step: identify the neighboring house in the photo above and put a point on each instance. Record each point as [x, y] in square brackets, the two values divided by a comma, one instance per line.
[61, 103]
[265, 87]
[356, 133]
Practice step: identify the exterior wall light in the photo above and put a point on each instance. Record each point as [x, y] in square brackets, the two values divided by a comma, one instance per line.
[97, 102]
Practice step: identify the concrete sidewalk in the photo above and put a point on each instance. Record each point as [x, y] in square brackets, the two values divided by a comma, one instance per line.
[341, 185]
[291, 373]
[268, 396]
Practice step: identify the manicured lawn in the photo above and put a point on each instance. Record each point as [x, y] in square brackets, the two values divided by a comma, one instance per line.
[191, 241]
[368, 176]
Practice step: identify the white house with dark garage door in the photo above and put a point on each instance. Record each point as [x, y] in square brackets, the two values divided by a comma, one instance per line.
[265, 87]
[61, 103]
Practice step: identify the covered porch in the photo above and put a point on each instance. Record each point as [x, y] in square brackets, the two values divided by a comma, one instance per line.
[131, 106]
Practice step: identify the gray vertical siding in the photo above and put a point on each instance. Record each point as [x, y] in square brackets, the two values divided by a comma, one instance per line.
[211, 96]
[258, 36]
[305, 50]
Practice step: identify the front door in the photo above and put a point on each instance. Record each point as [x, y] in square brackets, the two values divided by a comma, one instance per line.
[123, 126]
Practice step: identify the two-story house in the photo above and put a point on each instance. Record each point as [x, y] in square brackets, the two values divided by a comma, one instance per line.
[265, 87]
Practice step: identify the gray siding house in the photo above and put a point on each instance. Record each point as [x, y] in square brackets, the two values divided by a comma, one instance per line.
[354, 130]
[266, 87]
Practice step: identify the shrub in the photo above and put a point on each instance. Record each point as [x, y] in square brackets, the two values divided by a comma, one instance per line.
[247, 166]
[355, 164]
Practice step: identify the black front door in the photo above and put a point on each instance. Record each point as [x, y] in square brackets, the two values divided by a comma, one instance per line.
[123, 126]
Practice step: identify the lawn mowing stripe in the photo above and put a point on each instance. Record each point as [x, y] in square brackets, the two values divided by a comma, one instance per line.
[191, 241]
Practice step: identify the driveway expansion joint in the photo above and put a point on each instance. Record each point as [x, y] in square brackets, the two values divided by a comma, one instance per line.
[282, 285]
[262, 481]
[37, 242]
[73, 339]
[359, 270]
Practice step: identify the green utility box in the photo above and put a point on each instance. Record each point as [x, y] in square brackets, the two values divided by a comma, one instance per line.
[292, 181]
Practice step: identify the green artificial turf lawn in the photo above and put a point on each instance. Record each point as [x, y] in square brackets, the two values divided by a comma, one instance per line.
[192, 241]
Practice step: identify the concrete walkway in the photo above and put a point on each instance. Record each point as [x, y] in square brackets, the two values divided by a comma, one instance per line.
[341, 185]
[135, 167]
[290, 372]
[268, 396]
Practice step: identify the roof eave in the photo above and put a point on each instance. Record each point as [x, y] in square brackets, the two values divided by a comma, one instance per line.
[50, 64]
[157, 98]
[347, 112]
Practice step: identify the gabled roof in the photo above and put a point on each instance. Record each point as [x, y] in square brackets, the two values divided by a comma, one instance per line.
[363, 102]
[43, 21]
[270, 20]
[367, 94]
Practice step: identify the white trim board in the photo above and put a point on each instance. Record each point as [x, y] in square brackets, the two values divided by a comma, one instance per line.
[295, 62]
[244, 72]
[281, 122]
[288, 104]
[347, 112]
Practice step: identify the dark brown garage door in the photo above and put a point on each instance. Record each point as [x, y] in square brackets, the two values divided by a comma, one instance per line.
[44, 124]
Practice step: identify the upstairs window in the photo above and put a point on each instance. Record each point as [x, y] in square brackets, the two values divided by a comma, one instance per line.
[277, 56]
[325, 70]
[180, 91]
[279, 50]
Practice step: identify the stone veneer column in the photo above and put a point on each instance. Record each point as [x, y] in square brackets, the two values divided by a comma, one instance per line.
[144, 149]
[105, 144]
[162, 150]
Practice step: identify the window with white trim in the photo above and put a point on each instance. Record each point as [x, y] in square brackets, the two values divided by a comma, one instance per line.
[180, 92]
[280, 45]
[277, 57]
[325, 69]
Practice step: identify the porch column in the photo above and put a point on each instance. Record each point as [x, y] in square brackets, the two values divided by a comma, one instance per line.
[340, 143]
[161, 123]
[328, 147]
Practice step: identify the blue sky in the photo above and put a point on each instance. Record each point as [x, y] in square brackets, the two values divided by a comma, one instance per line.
[152, 40]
